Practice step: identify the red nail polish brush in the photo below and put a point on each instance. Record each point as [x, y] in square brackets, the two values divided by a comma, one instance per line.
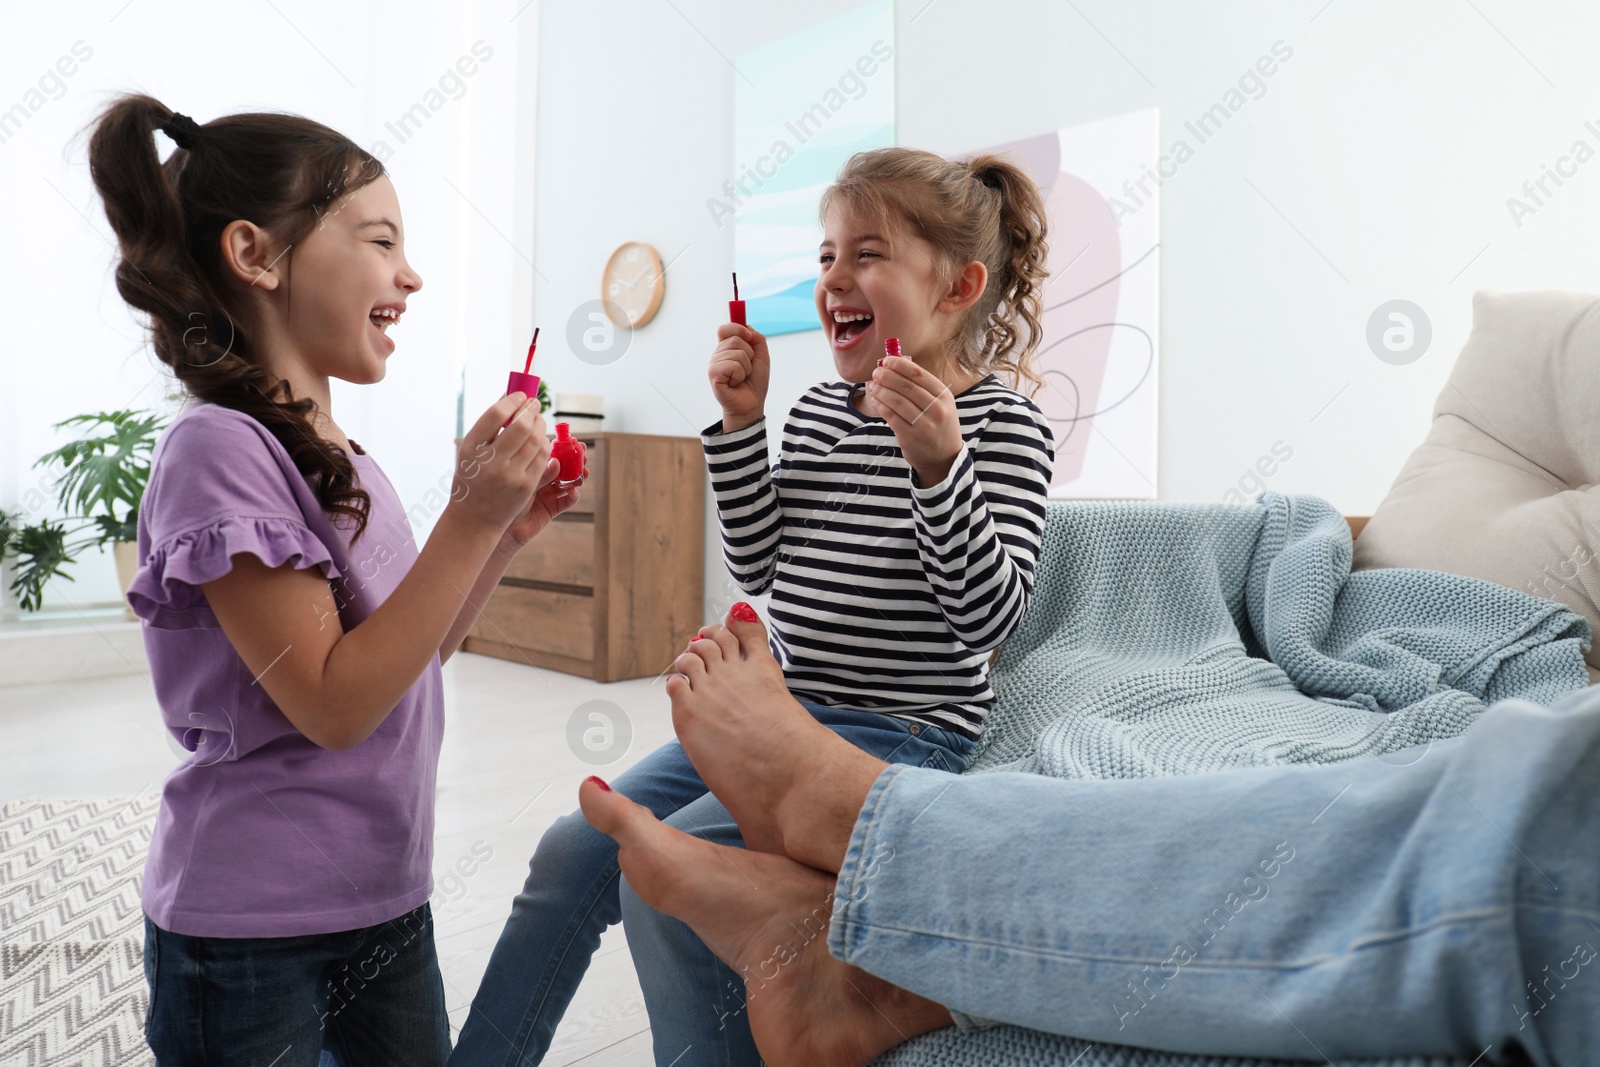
[736, 306]
[523, 382]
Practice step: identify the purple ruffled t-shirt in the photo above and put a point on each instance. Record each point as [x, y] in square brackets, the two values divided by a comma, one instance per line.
[262, 833]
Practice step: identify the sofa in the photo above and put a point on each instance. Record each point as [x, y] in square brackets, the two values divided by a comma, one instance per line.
[1503, 488]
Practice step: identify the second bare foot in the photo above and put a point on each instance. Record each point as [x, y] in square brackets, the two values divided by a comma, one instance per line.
[765, 916]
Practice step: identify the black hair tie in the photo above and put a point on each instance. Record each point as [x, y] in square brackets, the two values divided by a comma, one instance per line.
[182, 129]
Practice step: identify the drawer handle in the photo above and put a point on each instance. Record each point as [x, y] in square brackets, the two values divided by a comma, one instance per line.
[549, 587]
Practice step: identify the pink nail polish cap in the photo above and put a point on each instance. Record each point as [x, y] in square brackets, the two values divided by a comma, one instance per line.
[523, 382]
[736, 306]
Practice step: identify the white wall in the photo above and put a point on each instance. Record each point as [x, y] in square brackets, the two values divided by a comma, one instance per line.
[1390, 141]
[1383, 152]
[464, 181]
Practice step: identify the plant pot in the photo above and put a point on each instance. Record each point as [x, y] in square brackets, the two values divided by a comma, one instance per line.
[126, 554]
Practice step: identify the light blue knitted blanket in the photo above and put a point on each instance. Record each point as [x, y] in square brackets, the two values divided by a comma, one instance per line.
[1186, 638]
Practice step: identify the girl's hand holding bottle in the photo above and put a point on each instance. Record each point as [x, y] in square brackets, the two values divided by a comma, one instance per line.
[921, 411]
[739, 372]
[499, 471]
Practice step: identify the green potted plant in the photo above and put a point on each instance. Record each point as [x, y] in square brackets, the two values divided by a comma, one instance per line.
[102, 480]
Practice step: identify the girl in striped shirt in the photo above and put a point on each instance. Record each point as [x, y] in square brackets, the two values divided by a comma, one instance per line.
[899, 529]
[897, 533]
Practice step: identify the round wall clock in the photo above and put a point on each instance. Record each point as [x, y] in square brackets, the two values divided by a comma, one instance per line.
[634, 282]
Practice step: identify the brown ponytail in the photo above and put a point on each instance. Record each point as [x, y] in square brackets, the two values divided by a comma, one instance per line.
[984, 208]
[276, 170]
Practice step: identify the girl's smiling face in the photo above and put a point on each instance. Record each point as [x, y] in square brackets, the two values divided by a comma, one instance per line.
[327, 314]
[352, 284]
[875, 285]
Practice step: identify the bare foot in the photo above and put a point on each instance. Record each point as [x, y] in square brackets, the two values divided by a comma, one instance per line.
[793, 786]
[765, 916]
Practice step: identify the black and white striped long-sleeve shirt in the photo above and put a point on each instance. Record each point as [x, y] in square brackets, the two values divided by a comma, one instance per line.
[886, 595]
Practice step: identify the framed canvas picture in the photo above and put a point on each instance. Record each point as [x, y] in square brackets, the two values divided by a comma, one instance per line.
[1099, 353]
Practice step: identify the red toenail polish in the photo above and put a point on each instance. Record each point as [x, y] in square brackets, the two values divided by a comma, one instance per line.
[697, 637]
[744, 612]
[601, 782]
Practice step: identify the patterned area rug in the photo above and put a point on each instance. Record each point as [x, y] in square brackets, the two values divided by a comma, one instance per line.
[72, 989]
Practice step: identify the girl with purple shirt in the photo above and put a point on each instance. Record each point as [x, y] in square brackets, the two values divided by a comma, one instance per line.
[295, 631]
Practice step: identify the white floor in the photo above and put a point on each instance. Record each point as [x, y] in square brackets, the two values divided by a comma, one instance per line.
[507, 770]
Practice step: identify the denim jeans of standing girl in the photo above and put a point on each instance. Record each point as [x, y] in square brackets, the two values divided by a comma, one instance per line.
[373, 997]
[574, 892]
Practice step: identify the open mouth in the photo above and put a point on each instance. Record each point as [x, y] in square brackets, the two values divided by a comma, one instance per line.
[382, 319]
[849, 325]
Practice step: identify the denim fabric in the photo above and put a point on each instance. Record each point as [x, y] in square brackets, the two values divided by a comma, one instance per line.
[1442, 900]
[372, 997]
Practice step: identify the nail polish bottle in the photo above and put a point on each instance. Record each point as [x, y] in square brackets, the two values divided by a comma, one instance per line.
[570, 452]
[891, 347]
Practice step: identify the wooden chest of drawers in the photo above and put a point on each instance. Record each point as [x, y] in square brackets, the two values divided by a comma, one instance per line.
[613, 588]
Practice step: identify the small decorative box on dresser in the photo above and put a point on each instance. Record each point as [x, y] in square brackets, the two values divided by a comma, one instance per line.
[613, 588]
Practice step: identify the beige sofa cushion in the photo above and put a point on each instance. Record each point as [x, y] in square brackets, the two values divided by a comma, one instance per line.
[1505, 485]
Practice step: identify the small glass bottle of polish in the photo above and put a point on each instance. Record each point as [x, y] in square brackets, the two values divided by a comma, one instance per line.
[571, 453]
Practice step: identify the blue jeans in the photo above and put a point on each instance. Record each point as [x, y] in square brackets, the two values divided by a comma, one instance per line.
[371, 996]
[574, 891]
[1443, 900]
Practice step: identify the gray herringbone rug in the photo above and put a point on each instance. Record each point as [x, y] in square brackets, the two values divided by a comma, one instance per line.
[72, 990]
